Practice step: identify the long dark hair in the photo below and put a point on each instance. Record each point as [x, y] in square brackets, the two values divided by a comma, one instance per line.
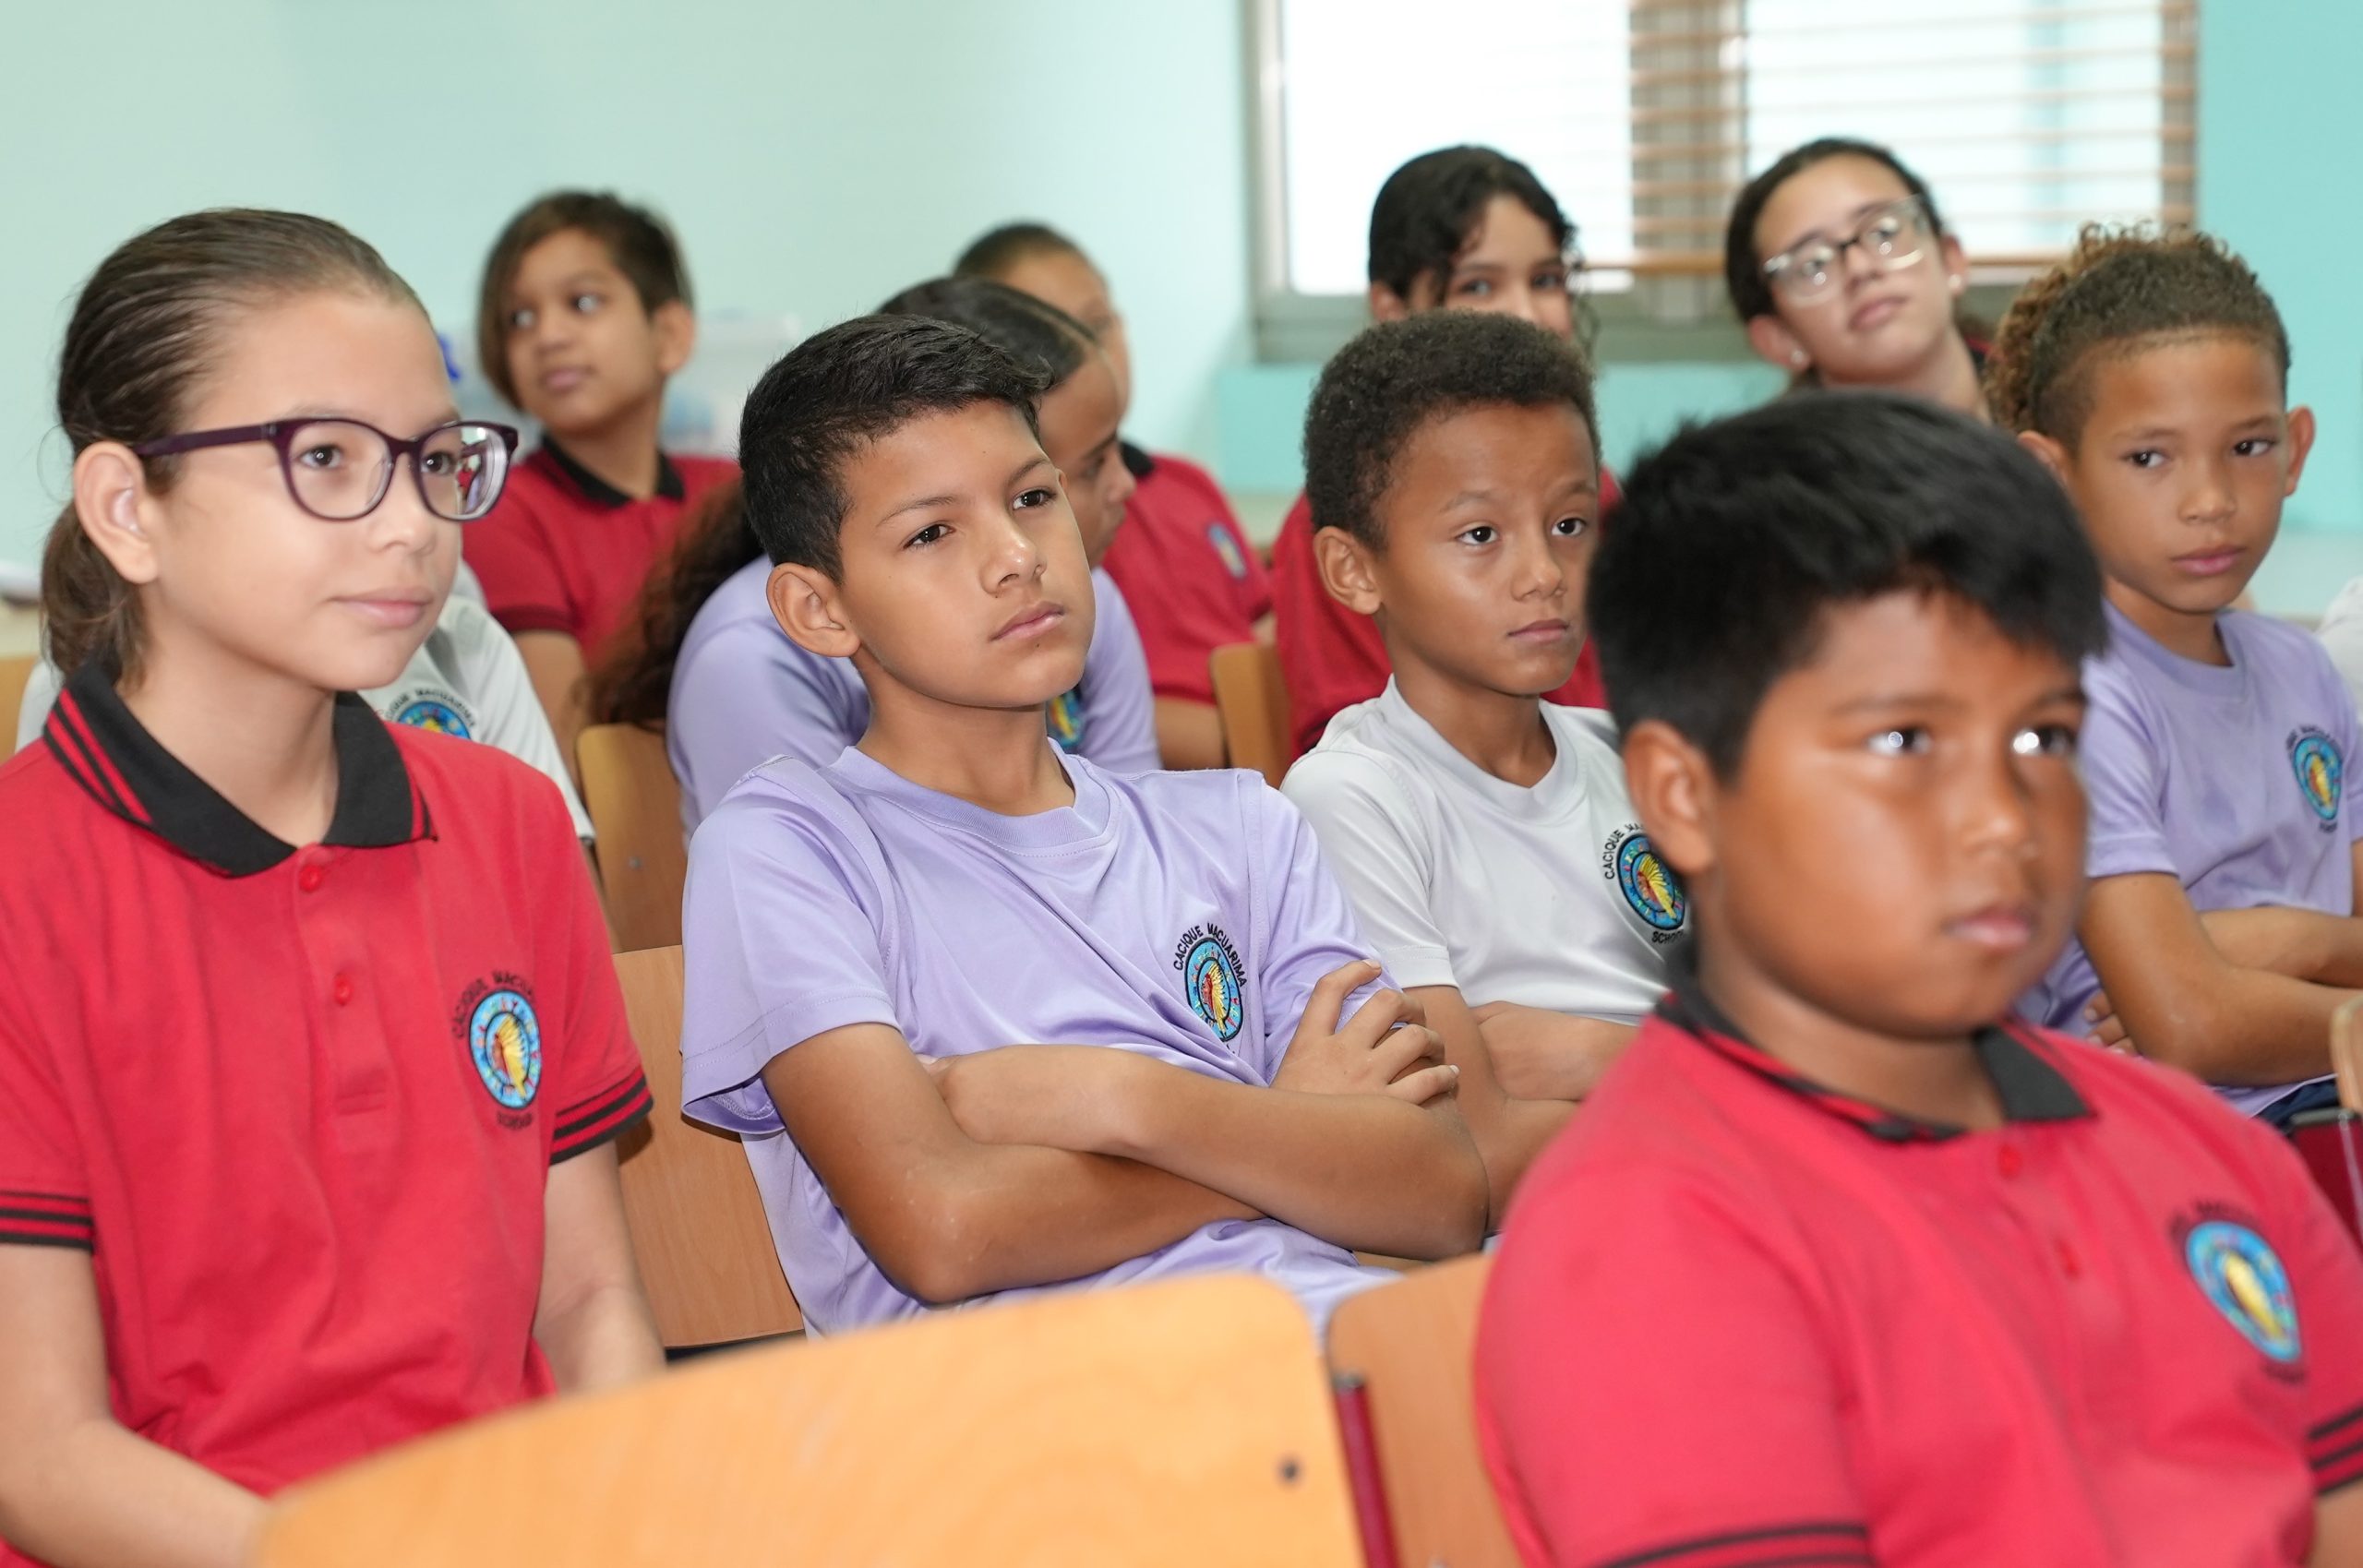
[147, 328]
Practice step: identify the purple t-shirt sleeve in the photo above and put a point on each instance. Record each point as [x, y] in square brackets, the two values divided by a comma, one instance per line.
[1116, 691]
[779, 942]
[744, 696]
[2125, 795]
[1304, 928]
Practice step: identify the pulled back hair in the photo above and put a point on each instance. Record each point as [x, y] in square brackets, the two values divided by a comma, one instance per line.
[633, 682]
[636, 240]
[1427, 213]
[1395, 377]
[840, 390]
[147, 328]
[995, 253]
[1744, 276]
[1735, 539]
[2118, 288]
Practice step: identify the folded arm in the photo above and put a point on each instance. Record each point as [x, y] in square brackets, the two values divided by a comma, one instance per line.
[76, 1489]
[1509, 1132]
[2185, 1000]
[947, 1215]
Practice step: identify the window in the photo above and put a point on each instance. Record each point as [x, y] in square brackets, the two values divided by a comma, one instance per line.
[1643, 116]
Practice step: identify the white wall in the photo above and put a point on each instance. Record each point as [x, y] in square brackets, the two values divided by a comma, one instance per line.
[813, 156]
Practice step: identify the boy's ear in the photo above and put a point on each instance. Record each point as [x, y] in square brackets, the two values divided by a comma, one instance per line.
[111, 499]
[1345, 565]
[677, 335]
[809, 609]
[2054, 454]
[1673, 792]
[2301, 441]
[1775, 344]
[1385, 305]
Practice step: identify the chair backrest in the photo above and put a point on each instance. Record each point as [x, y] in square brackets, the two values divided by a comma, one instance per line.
[635, 806]
[2347, 1052]
[16, 674]
[697, 1222]
[1184, 1423]
[1251, 704]
[1409, 1345]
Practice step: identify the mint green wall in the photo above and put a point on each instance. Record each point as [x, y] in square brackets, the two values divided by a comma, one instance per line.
[813, 156]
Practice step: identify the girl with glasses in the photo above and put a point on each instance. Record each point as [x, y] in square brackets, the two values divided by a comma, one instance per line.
[1842, 269]
[311, 1053]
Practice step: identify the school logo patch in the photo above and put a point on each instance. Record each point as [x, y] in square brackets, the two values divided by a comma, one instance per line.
[1212, 979]
[2243, 1279]
[1226, 550]
[497, 1024]
[1648, 884]
[2320, 770]
[1067, 722]
[439, 711]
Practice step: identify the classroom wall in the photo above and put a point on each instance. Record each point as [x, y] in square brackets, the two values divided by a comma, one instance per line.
[813, 156]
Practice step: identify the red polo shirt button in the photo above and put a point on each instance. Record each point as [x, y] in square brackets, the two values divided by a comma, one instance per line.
[2008, 1161]
[342, 990]
[309, 879]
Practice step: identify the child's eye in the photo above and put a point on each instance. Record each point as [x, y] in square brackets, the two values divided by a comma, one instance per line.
[321, 455]
[1482, 534]
[2045, 740]
[1570, 527]
[1474, 288]
[1551, 282]
[934, 532]
[520, 320]
[1038, 496]
[2254, 447]
[1903, 740]
[2148, 457]
[587, 304]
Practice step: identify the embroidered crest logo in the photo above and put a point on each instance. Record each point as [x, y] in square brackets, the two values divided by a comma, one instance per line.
[437, 711]
[1212, 979]
[1648, 884]
[1226, 550]
[497, 1024]
[2320, 772]
[2243, 1279]
[1066, 720]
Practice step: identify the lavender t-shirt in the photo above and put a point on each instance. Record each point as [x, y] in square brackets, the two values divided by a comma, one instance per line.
[2233, 780]
[742, 692]
[1182, 915]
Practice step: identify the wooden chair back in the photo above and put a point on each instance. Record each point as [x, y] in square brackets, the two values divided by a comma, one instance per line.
[697, 1222]
[2347, 1052]
[1405, 1350]
[16, 674]
[1251, 704]
[635, 806]
[1168, 1426]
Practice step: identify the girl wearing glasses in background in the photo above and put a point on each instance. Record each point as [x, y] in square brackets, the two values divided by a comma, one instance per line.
[310, 1048]
[1841, 267]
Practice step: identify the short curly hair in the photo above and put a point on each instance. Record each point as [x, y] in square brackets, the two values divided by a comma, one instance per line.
[2117, 290]
[1395, 377]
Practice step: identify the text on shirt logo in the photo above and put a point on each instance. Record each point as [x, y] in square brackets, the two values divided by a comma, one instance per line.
[497, 1024]
[1212, 979]
[1648, 884]
[439, 712]
[2320, 772]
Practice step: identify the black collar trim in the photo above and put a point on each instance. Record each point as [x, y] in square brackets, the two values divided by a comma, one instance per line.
[126, 769]
[2029, 1087]
[1138, 461]
[597, 491]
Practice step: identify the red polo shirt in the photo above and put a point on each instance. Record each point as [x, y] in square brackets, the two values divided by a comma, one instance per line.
[1190, 578]
[566, 551]
[1738, 1320]
[299, 1104]
[1332, 658]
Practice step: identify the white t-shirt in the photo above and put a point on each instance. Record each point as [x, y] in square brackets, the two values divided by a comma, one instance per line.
[2341, 633]
[1548, 897]
[466, 679]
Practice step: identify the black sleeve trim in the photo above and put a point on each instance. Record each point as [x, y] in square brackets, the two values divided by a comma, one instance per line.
[43, 1219]
[2335, 1451]
[1840, 1543]
[586, 1127]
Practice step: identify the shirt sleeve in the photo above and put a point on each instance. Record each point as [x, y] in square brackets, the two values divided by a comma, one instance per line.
[1304, 928]
[778, 946]
[45, 1196]
[494, 681]
[2341, 633]
[1651, 1387]
[2125, 795]
[1368, 830]
[746, 695]
[518, 571]
[1116, 694]
[596, 1083]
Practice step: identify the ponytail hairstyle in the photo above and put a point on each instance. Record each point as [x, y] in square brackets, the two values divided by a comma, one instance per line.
[149, 326]
[633, 684]
[2118, 288]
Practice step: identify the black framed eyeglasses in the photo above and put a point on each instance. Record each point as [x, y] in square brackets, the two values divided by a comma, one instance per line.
[338, 470]
[1894, 235]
